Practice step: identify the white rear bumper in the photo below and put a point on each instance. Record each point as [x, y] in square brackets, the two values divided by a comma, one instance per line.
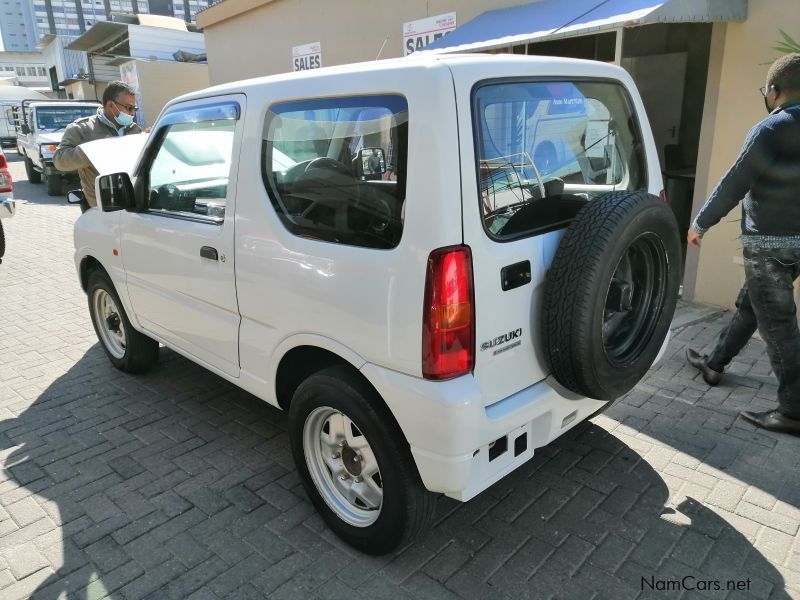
[460, 446]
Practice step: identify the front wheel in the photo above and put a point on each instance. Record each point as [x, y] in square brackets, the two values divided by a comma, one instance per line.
[128, 350]
[33, 175]
[355, 464]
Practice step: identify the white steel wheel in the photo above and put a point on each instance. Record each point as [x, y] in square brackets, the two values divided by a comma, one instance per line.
[343, 466]
[109, 323]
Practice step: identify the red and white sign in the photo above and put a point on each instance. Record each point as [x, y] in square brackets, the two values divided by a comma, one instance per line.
[420, 33]
[307, 56]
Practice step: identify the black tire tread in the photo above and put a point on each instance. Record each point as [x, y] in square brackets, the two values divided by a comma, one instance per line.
[141, 352]
[33, 175]
[53, 185]
[578, 259]
[421, 503]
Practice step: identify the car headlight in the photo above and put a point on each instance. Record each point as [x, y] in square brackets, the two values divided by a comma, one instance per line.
[47, 150]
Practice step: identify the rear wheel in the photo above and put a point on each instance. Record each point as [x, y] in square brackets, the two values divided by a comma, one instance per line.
[53, 183]
[128, 349]
[611, 293]
[33, 175]
[355, 464]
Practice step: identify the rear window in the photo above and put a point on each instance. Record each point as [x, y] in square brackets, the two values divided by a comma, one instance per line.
[544, 149]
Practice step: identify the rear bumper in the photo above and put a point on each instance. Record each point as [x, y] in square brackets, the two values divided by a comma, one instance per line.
[460, 446]
[7, 207]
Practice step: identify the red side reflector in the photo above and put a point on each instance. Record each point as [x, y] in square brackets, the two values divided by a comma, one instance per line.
[448, 322]
[663, 195]
[115, 252]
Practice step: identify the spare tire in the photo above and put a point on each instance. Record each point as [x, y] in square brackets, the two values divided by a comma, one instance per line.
[610, 294]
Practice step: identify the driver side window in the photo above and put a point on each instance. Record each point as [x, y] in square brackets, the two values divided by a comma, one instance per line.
[189, 174]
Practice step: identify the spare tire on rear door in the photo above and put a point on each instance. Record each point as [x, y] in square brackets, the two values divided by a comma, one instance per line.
[610, 293]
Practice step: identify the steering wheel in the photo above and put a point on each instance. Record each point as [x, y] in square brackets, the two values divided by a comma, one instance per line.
[166, 197]
[323, 162]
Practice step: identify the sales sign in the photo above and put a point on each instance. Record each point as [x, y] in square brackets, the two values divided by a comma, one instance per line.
[307, 56]
[418, 34]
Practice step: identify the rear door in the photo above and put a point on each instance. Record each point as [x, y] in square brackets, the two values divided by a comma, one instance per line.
[540, 150]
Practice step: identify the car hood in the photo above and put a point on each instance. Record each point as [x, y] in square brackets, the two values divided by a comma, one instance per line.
[50, 138]
[116, 154]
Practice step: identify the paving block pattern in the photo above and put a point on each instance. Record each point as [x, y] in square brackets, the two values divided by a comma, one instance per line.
[176, 484]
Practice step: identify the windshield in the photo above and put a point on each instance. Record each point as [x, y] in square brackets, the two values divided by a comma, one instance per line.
[555, 146]
[52, 119]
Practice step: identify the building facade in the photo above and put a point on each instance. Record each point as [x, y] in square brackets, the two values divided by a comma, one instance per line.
[28, 69]
[698, 66]
[25, 22]
[17, 25]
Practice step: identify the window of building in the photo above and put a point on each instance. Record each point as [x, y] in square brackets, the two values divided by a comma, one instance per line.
[317, 172]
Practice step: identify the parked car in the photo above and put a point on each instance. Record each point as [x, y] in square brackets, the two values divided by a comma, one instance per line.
[40, 126]
[6, 200]
[426, 332]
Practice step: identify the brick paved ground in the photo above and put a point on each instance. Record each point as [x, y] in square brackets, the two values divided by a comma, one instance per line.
[176, 484]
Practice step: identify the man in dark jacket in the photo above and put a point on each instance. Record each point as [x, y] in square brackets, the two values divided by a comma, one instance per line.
[114, 118]
[767, 176]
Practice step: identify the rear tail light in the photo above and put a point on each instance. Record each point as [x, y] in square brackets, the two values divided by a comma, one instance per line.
[448, 323]
[3, 163]
[663, 195]
[6, 184]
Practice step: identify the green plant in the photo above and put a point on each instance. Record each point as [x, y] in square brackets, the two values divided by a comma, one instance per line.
[787, 45]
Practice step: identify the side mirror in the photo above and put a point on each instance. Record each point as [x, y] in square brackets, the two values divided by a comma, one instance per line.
[24, 129]
[75, 196]
[115, 192]
[371, 161]
[78, 197]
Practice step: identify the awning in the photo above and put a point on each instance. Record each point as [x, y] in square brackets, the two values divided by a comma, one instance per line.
[550, 19]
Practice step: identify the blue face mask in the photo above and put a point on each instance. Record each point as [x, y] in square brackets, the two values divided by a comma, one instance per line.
[124, 119]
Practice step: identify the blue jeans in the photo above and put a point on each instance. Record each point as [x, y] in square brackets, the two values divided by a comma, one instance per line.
[766, 302]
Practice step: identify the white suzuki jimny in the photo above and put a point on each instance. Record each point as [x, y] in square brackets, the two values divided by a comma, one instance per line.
[375, 249]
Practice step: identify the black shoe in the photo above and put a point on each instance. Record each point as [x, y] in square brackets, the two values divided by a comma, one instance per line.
[700, 363]
[772, 420]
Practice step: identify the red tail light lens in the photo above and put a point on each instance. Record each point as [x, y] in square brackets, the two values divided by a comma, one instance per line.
[6, 184]
[448, 323]
[3, 163]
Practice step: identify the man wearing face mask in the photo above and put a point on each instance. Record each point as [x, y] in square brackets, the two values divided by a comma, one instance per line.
[767, 176]
[114, 118]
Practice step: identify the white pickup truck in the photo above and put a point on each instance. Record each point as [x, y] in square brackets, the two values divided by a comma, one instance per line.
[374, 249]
[40, 126]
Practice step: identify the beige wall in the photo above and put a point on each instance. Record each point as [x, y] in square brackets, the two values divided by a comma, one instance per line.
[265, 34]
[740, 56]
[161, 81]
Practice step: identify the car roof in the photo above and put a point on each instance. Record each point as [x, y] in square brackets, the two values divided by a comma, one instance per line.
[547, 65]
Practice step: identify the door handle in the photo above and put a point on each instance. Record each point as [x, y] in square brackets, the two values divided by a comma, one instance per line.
[209, 253]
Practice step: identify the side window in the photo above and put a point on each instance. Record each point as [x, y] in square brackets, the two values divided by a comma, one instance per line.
[189, 175]
[335, 168]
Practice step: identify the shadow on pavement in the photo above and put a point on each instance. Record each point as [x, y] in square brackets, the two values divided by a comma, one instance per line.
[162, 484]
